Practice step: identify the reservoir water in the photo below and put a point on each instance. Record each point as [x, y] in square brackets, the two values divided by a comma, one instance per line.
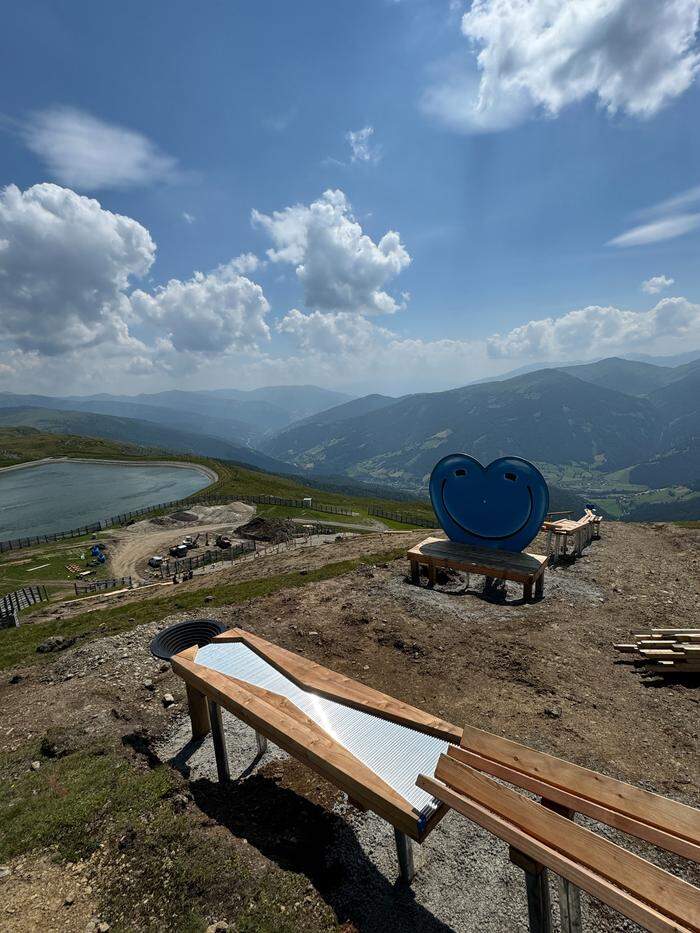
[58, 496]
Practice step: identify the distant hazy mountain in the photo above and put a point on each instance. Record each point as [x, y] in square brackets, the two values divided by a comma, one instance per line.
[297, 401]
[548, 416]
[678, 407]
[133, 431]
[354, 409]
[628, 376]
[230, 414]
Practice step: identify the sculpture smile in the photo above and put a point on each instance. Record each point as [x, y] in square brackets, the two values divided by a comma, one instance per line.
[476, 533]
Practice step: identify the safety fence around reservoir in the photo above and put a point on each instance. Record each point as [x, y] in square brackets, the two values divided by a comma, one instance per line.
[421, 521]
[126, 517]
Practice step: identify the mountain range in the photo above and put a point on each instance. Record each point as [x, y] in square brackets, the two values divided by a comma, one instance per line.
[615, 427]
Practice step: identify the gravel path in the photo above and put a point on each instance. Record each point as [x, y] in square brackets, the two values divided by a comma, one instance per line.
[464, 883]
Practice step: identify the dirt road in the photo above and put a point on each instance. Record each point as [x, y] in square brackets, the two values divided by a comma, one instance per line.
[135, 544]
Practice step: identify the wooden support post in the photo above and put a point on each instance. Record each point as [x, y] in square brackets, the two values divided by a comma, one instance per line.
[217, 734]
[404, 852]
[431, 575]
[262, 743]
[415, 572]
[569, 894]
[539, 586]
[199, 715]
[527, 592]
[538, 903]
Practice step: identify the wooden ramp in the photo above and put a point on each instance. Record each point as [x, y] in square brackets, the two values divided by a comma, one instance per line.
[366, 743]
[525, 568]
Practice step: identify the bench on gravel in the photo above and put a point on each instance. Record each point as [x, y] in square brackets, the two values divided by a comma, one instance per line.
[434, 553]
[580, 533]
[543, 836]
[368, 744]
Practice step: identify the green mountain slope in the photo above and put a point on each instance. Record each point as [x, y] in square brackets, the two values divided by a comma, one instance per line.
[628, 376]
[547, 416]
[142, 433]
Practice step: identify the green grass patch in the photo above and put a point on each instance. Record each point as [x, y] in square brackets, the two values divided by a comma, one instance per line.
[18, 645]
[32, 567]
[69, 801]
[283, 511]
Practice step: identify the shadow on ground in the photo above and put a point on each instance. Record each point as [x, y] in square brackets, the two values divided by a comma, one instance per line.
[303, 837]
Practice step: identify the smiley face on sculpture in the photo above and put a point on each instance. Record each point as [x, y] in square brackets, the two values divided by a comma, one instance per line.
[501, 506]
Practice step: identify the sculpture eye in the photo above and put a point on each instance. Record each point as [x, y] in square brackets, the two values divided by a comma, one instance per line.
[460, 472]
[511, 476]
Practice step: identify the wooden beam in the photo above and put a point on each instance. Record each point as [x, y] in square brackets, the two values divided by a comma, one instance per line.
[572, 801]
[621, 900]
[199, 714]
[312, 747]
[311, 676]
[639, 805]
[664, 892]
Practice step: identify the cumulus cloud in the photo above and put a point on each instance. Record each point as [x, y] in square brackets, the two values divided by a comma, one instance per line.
[361, 148]
[656, 284]
[65, 264]
[210, 313]
[340, 268]
[86, 153]
[246, 262]
[341, 333]
[597, 330]
[631, 56]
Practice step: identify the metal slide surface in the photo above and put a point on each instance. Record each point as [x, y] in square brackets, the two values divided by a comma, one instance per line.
[396, 753]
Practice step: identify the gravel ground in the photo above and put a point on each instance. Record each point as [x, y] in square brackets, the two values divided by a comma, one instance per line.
[464, 883]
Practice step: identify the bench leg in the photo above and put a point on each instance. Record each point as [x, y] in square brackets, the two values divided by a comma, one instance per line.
[217, 734]
[569, 894]
[262, 743]
[431, 575]
[199, 715]
[527, 592]
[415, 573]
[539, 586]
[404, 853]
[538, 903]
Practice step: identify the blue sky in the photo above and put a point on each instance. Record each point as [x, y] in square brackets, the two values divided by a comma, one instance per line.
[186, 118]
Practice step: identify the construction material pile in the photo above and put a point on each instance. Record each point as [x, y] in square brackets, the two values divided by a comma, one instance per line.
[665, 650]
[270, 530]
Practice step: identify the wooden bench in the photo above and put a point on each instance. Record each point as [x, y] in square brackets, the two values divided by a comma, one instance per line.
[525, 568]
[542, 835]
[560, 532]
[349, 749]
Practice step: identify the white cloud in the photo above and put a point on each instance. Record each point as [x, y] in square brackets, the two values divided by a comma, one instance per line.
[633, 56]
[656, 284]
[188, 218]
[667, 228]
[64, 269]
[340, 268]
[361, 147]
[341, 333]
[598, 330]
[211, 313]
[86, 153]
[246, 262]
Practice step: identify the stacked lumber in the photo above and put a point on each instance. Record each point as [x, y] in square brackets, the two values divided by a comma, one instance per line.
[666, 650]
[73, 568]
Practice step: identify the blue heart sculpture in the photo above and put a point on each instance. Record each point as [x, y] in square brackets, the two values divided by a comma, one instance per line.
[500, 506]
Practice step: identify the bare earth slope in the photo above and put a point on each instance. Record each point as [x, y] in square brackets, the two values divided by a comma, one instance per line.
[287, 851]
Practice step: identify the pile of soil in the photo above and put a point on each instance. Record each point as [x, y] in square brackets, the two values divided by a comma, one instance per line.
[186, 517]
[272, 530]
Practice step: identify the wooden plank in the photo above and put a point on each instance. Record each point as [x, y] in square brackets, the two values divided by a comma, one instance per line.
[311, 676]
[438, 552]
[314, 748]
[649, 884]
[199, 713]
[637, 804]
[578, 874]
[570, 800]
